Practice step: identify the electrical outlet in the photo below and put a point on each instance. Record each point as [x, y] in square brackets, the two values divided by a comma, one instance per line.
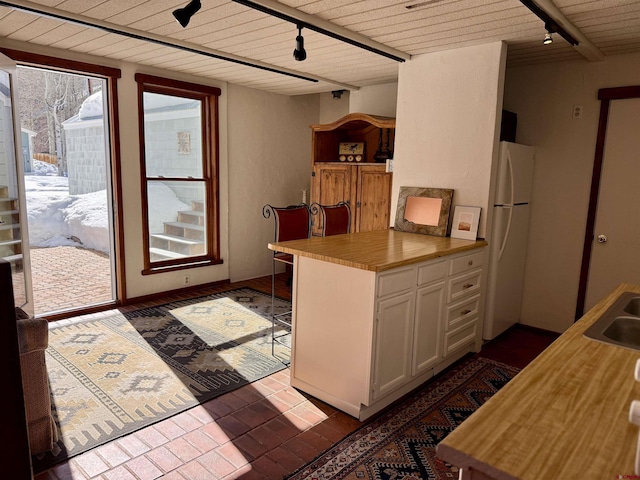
[187, 280]
[577, 111]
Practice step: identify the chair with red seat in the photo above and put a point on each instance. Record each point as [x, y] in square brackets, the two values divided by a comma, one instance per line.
[291, 223]
[335, 219]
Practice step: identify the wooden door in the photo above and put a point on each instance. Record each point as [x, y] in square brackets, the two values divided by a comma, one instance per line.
[614, 253]
[330, 184]
[373, 202]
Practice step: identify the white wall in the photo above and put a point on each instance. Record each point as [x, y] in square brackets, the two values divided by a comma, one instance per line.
[543, 96]
[332, 109]
[375, 100]
[447, 123]
[269, 162]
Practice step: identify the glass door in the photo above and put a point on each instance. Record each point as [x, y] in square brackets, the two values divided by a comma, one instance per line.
[14, 237]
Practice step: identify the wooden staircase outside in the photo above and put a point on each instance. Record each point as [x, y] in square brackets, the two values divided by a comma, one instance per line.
[183, 238]
[10, 243]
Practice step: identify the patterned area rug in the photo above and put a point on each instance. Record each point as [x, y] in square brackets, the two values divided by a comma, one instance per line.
[400, 445]
[112, 376]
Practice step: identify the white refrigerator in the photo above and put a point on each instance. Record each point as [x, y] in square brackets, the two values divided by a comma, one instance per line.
[509, 237]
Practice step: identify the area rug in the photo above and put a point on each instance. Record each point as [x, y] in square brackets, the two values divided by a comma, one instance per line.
[117, 374]
[400, 445]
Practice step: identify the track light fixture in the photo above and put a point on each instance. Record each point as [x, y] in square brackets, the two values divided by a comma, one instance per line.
[551, 29]
[183, 15]
[300, 53]
[549, 23]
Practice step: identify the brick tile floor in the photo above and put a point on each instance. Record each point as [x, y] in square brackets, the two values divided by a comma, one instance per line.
[69, 277]
[264, 430]
[254, 441]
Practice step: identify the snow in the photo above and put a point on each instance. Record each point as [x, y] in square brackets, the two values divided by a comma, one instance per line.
[91, 107]
[59, 219]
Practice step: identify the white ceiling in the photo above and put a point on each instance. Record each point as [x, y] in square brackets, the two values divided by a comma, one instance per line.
[222, 27]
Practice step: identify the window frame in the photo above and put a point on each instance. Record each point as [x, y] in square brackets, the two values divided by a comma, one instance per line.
[208, 96]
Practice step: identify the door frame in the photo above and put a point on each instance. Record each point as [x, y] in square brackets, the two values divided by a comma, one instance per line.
[605, 95]
[110, 76]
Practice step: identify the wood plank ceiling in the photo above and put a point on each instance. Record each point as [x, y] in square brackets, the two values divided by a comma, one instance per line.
[224, 27]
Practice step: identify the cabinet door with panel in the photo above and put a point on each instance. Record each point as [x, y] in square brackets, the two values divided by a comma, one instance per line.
[393, 343]
[331, 183]
[430, 302]
[373, 201]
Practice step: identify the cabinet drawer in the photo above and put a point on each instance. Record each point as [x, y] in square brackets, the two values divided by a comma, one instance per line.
[464, 285]
[459, 337]
[432, 272]
[460, 313]
[396, 281]
[466, 262]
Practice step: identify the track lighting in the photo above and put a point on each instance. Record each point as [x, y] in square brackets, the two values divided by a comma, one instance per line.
[550, 24]
[183, 15]
[299, 53]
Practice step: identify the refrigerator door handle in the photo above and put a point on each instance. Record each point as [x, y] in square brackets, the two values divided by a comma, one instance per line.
[511, 181]
[506, 233]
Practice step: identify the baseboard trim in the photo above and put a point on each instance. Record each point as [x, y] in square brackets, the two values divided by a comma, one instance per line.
[179, 291]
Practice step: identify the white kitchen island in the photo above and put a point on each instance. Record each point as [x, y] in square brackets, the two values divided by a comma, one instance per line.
[376, 314]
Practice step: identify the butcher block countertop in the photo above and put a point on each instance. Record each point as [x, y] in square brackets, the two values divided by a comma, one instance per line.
[376, 251]
[565, 416]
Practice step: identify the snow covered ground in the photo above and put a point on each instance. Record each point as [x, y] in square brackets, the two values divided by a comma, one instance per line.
[59, 219]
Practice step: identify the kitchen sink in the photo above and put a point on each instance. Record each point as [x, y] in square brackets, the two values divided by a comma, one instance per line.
[620, 324]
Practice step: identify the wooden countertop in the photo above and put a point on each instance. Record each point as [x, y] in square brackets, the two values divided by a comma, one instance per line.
[376, 251]
[564, 416]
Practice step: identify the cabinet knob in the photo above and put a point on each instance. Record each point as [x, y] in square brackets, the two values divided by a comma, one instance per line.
[470, 262]
[467, 285]
[464, 312]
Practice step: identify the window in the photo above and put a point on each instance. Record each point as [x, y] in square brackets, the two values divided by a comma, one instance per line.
[179, 165]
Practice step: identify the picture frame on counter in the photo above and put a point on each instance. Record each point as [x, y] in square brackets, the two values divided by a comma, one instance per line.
[424, 210]
[465, 222]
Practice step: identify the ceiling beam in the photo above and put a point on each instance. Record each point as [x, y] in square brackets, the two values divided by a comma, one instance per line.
[57, 14]
[587, 49]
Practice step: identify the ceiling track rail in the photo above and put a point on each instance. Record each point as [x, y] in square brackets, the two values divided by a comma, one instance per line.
[308, 21]
[44, 11]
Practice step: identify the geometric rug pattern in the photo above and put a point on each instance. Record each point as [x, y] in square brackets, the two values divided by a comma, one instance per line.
[400, 445]
[117, 374]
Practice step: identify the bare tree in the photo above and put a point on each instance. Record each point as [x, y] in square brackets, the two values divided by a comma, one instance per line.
[48, 98]
[63, 96]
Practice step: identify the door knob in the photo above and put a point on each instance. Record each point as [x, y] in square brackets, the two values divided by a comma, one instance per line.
[602, 239]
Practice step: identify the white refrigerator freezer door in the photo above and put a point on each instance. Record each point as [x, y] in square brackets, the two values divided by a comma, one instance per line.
[506, 271]
[515, 174]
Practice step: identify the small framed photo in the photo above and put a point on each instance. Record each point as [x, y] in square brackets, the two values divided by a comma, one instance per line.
[465, 222]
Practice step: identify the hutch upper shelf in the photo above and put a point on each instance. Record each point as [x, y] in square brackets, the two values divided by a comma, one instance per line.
[372, 130]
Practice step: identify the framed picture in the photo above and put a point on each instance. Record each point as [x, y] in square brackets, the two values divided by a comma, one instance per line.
[423, 210]
[465, 222]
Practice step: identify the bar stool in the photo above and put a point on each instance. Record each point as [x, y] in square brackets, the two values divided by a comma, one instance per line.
[290, 223]
[336, 219]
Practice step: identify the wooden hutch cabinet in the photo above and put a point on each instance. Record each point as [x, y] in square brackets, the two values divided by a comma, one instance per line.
[359, 180]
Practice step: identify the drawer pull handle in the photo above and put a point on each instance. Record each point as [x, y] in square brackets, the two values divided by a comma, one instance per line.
[470, 262]
[467, 285]
[465, 312]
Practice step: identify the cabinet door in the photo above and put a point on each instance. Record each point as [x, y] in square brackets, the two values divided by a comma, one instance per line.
[331, 183]
[429, 320]
[392, 354]
[373, 204]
